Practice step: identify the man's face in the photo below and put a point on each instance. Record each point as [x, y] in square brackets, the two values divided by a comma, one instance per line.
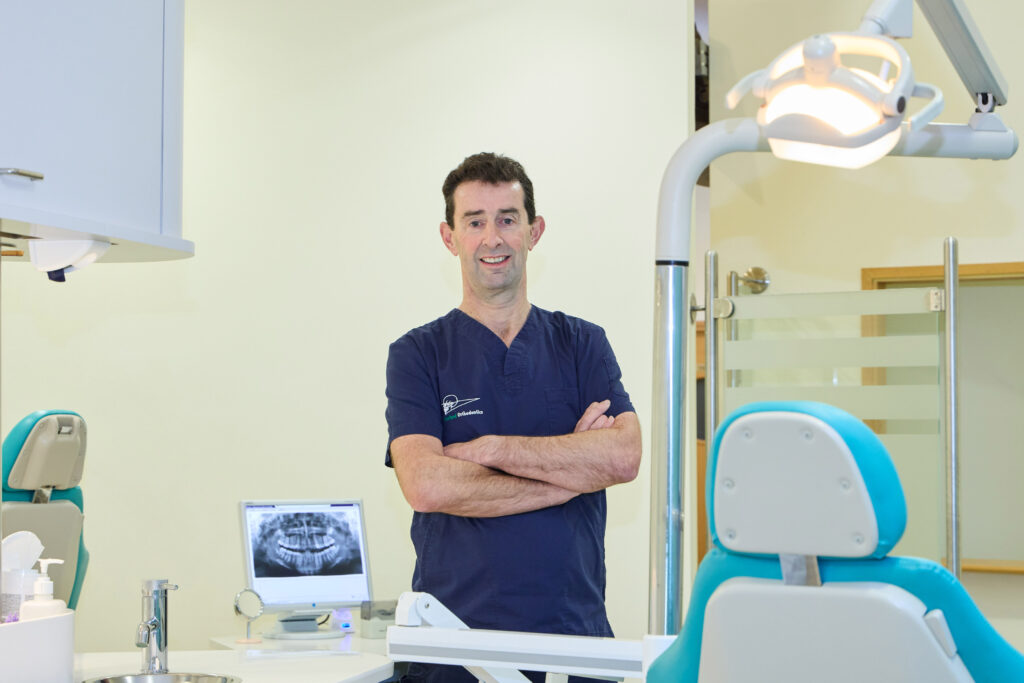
[491, 236]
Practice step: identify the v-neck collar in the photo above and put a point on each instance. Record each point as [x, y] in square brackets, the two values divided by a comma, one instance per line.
[515, 356]
[483, 333]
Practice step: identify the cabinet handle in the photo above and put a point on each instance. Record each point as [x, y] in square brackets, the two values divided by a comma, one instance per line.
[31, 175]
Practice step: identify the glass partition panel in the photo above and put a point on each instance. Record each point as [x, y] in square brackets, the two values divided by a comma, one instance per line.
[875, 354]
[867, 302]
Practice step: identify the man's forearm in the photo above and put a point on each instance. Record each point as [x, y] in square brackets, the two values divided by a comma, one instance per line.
[432, 482]
[583, 461]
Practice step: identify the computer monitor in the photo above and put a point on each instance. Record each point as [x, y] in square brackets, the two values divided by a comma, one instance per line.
[305, 558]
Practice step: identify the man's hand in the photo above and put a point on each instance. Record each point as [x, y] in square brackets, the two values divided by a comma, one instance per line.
[603, 450]
[432, 482]
[501, 475]
[594, 417]
[482, 450]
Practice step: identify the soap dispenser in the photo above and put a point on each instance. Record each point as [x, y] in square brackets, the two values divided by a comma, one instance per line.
[42, 603]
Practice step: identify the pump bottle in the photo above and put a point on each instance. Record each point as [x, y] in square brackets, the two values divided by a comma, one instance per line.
[43, 603]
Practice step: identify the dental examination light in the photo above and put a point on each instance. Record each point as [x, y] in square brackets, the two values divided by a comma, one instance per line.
[821, 111]
[818, 108]
[819, 104]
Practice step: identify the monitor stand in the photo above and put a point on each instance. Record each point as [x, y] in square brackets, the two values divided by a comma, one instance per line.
[304, 626]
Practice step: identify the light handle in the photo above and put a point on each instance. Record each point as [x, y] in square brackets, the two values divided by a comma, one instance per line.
[930, 110]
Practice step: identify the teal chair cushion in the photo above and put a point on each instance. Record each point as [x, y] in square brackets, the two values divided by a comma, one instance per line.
[11, 449]
[985, 654]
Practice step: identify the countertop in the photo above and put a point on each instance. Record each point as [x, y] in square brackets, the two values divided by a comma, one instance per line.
[348, 643]
[252, 666]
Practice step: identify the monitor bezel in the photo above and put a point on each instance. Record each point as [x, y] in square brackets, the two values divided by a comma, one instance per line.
[303, 607]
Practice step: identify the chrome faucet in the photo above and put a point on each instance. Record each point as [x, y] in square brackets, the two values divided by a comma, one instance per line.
[152, 633]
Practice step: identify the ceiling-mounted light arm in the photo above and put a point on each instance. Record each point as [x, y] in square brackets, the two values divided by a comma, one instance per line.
[966, 49]
[959, 36]
[893, 18]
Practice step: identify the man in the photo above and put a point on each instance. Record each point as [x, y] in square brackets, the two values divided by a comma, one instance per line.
[506, 423]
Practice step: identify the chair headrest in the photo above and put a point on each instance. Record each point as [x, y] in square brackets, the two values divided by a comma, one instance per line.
[45, 449]
[802, 478]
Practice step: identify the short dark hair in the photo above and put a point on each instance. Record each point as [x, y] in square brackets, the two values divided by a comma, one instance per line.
[491, 168]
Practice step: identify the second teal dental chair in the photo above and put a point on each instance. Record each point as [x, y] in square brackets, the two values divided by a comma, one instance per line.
[805, 505]
[43, 458]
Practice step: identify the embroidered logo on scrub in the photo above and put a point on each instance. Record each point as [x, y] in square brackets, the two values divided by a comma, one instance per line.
[451, 403]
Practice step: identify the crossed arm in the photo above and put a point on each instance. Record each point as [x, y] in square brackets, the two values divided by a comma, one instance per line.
[503, 475]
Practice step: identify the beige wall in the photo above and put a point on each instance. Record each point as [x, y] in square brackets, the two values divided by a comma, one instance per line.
[814, 228]
[317, 134]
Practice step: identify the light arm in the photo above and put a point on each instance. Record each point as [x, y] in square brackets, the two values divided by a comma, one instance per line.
[432, 482]
[592, 458]
[966, 49]
[960, 38]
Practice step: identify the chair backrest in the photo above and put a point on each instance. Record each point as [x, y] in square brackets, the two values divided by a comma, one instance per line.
[43, 459]
[804, 506]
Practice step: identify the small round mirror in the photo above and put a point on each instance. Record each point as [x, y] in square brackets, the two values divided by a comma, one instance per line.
[248, 604]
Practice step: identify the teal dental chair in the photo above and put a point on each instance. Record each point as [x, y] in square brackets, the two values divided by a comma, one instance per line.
[805, 505]
[43, 457]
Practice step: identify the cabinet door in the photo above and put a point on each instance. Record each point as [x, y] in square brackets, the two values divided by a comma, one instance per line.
[81, 101]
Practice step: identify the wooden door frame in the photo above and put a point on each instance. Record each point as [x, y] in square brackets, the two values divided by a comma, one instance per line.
[881, 278]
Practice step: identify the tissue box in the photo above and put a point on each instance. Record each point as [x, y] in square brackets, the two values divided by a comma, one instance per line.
[376, 616]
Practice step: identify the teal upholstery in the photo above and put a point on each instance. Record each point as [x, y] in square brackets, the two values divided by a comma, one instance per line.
[12, 446]
[986, 655]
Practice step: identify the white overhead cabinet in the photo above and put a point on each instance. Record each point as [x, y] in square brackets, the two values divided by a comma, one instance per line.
[91, 102]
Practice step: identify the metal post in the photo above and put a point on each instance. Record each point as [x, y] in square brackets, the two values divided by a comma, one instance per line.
[670, 309]
[668, 414]
[710, 348]
[952, 432]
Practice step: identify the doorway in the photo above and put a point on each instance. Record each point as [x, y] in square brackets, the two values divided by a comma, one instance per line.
[991, 384]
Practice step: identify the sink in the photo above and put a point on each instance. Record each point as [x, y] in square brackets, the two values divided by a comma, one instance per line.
[166, 678]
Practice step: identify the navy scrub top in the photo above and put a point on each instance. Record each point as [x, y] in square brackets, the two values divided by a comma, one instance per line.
[540, 571]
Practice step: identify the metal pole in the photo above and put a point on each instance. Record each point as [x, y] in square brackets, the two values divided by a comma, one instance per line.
[668, 412]
[710, 348]
[952, 432]
[670, 309]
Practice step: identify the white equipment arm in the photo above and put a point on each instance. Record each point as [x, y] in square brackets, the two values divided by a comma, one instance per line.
[966, 49]
[497, 656]
[405, 642]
